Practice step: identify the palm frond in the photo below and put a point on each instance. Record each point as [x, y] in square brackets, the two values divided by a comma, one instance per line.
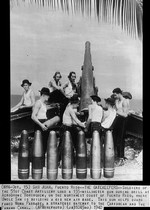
[128, 14]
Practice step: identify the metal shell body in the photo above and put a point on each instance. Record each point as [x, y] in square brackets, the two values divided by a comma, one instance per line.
[37, 156]
[23, 156]
[67, 156]
[109, 155]
[52, 153]
[96, 156]
[81, 157]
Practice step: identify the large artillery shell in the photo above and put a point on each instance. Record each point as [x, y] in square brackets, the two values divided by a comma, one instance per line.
[67, 156]
[37, 156]
[52, 162]
[109, 155]
[81, 157]
[96, 156]
[23, 156]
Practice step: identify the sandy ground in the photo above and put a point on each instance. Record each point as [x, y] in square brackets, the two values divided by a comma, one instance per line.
[132, 170]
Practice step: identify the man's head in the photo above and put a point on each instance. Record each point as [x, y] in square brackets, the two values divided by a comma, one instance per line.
[45, 93]
[74, 100]
[109, 102]
[57, 76]
[72, 76]
[26, 84]
[117, 92]
[95, 98]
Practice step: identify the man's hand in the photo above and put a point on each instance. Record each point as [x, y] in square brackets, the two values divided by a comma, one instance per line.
[44, 127]
[84, 124]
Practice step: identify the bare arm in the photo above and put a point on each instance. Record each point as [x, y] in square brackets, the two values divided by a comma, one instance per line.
[34, 115]
[74, 117]
[105, 115]
[32, 98]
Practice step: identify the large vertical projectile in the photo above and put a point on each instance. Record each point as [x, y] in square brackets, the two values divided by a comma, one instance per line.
[96, 156]
[52, 162]
[23, 156]
[67, 156]
[109, 155]
[81, 157]
[37, 156]
[87, 82]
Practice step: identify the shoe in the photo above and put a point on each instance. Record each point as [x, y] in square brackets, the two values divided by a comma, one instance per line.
[120, 162]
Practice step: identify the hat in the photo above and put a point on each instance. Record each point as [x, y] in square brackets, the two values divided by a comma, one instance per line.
[127, 95]
[110, 101]
[95, 98]
[74, 98]
[45, 91]
[113, 96]
[25, 81]
[117, 90]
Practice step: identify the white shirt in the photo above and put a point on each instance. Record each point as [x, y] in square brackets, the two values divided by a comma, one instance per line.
[96, 113]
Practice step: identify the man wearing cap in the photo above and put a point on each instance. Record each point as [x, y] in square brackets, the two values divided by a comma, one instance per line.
[39, 116]
[95, 114]
[110, 114]
[28, 97]
[122, 108]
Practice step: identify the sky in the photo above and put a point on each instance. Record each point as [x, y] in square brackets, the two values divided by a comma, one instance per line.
[44, 41]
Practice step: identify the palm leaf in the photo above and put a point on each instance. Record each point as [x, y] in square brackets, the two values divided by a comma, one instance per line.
[128, 14]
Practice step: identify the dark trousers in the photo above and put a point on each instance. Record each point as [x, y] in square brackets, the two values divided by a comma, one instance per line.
[119, 135]
[74, 129]
[95, 126]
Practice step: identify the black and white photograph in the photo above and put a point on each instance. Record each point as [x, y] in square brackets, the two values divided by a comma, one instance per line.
[76, 90]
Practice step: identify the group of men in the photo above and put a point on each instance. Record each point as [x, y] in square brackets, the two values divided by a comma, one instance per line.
[99, 118]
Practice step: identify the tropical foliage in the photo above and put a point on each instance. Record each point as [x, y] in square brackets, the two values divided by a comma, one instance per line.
[128, 14]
